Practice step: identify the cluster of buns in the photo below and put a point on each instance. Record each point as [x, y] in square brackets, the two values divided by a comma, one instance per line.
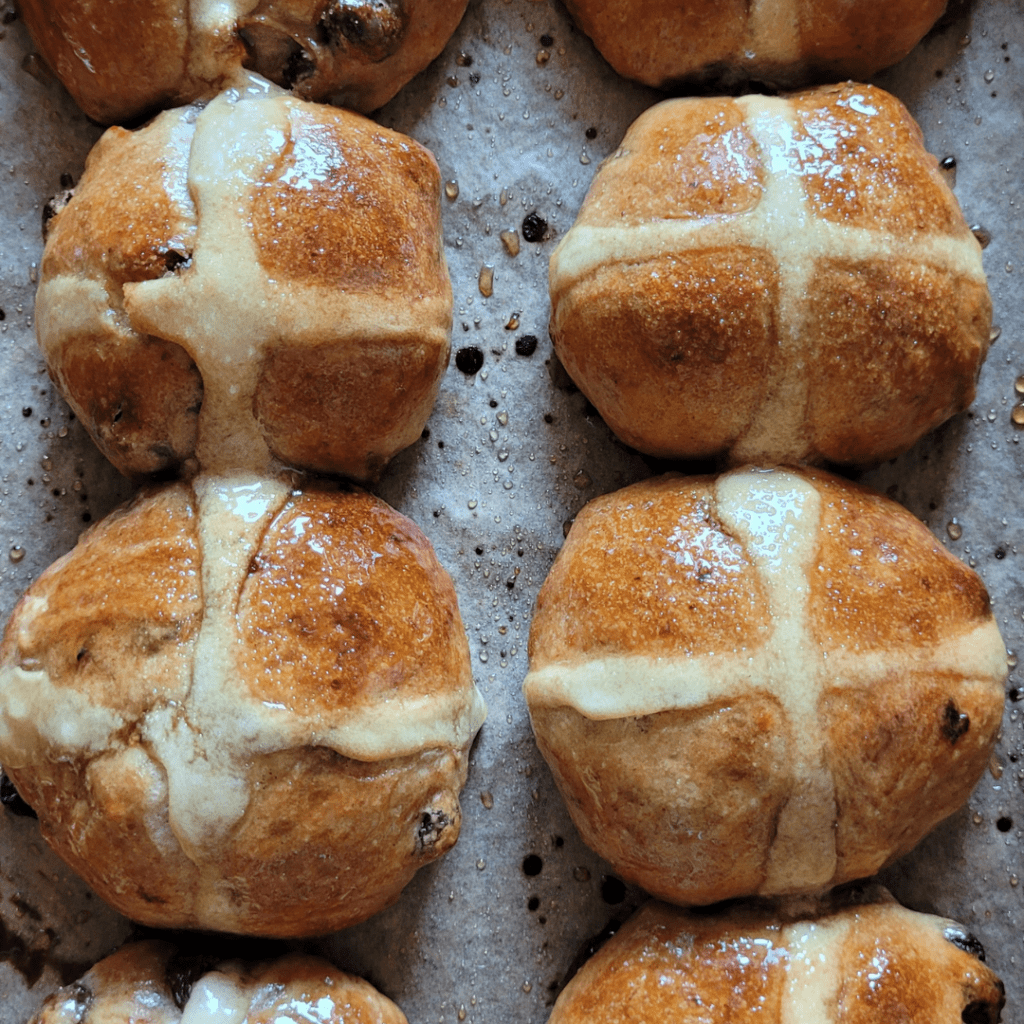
[146, 55]
[766, 683]
[856, 959]
[156, 983]
[771, 278]
[671, 44]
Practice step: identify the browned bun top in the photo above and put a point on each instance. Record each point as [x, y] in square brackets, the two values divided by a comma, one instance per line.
[673, 45]
[153, 982]
[128, 61]
[770, 681]
[866, 963]
[619, 584]
[737, 263]
[380, 607]
[238, 284]
[240, 706]
[125, 58]
[653, 569]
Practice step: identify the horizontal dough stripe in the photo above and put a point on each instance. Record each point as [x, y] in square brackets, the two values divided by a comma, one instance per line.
[633, 685]
[81, 305]
[589, 248]
[39, 716]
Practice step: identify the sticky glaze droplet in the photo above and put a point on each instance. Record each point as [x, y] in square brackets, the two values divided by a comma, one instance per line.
[510, 239]
[983, 235]
[485, 281]
[17, 553]
[993, 334]
[954, 529]
[451, 189]
[1017, 415]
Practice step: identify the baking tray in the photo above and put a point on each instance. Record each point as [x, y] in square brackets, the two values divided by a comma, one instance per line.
[520, 111]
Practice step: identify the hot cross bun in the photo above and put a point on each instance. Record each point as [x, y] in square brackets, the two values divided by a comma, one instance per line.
[244, 706]
[850, 959]
[768, 682]
[674, 44]
[155, 983]
[256, 282]
[125, 58]
[770, 279]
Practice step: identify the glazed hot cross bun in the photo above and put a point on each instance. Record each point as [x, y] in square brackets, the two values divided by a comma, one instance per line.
[242, 705]
[674, 44]
[121, 59]
[767, 682]
[155, 983]
[855, 958]
[770, 279]
[253, 282]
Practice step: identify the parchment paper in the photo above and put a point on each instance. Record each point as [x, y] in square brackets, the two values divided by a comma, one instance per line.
[519, 111]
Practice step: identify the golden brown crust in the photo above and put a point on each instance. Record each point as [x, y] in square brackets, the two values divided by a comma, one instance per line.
[397, 627]
[118, 60]
[928, 382]
[343, 637]
[653, 331]
[131, 220]
[673, 45]
[866, 165]
[714, 167]
[123, 60]
[826, 257]
[334, 167]
[123, 986]
[723, 769]
[888, 581]
[650, 567]
[341, 292]
[94, 628]
[857, 40]
[862, 963]
[764, 682]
